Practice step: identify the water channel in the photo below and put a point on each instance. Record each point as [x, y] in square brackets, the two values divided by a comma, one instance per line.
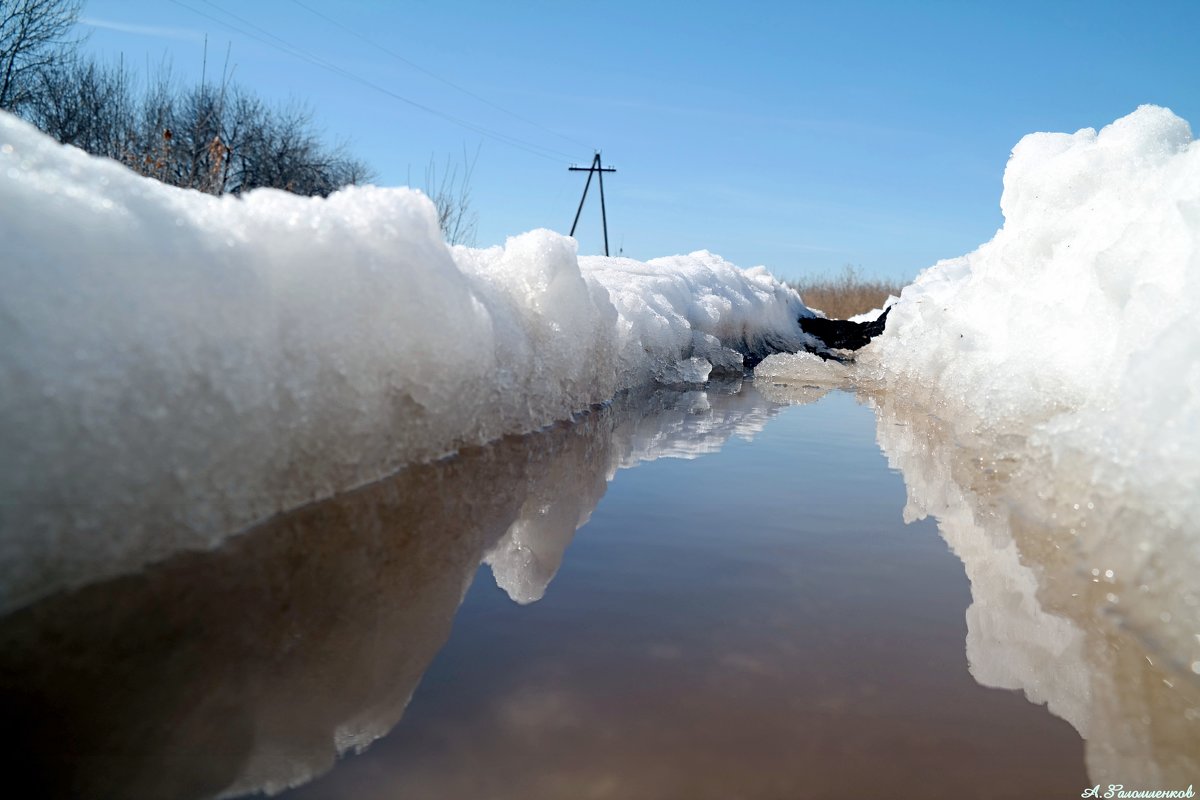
[746, 591]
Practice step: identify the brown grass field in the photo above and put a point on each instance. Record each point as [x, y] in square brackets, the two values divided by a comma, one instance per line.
[846, 294]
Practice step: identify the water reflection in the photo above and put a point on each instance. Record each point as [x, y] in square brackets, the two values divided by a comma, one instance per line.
[254, 666]
[757, 624]
[635, 429]
[1042, 620]
[772, 641]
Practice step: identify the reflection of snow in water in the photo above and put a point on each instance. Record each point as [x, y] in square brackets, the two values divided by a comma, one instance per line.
[644, 427]
[341, 604]
[1012, 643]
[1036, 623]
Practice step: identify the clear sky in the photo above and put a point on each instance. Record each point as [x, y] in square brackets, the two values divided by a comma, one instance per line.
[799, 135]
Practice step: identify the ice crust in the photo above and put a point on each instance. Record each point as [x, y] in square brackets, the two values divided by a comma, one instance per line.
[178, 366]
[802, 369]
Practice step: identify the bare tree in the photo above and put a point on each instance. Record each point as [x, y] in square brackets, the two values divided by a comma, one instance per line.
[280, 149]
[34, 35]
[451, 195]
[211, 137]
[85, 104]
[208, 137]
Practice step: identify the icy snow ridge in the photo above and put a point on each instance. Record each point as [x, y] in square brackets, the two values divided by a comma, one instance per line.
[177, 366]
[1079, 314]
[1075, 328]
[1086, 279]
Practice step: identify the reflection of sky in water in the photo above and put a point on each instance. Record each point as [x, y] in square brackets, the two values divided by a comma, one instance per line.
[754, 622]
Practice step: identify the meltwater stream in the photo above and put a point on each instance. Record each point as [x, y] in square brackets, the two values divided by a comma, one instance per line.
[761, 609]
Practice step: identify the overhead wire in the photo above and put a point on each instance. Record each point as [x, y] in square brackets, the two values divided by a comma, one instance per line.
[278, 43]
[336, 23]
[513, 141]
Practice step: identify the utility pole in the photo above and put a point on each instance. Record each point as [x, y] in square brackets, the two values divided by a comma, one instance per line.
[599, 171]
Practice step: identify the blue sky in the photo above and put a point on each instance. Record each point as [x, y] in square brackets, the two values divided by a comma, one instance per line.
[803, 136]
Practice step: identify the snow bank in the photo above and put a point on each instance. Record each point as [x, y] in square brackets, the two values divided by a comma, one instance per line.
[1079, 314]
[700, 307]
[177, 366]
[1076, 326]
[1088, 283]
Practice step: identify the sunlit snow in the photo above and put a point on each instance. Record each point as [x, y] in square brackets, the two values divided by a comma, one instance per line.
[177, 366]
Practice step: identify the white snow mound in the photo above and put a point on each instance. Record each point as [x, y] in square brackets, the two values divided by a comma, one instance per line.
[177, 366]
[1077, 320]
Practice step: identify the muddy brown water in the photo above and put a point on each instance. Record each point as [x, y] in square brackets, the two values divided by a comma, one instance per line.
[706, 594]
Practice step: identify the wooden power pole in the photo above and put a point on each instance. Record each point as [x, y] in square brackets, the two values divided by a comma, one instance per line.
[599, 170]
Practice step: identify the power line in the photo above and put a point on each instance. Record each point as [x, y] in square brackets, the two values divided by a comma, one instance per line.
[286, 46]
[598, 169]
[304, 55]
[434, 75]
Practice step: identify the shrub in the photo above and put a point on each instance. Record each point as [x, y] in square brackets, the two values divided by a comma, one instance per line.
[846, 294]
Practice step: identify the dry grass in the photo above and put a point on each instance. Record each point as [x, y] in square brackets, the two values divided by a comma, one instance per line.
[842, 296]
